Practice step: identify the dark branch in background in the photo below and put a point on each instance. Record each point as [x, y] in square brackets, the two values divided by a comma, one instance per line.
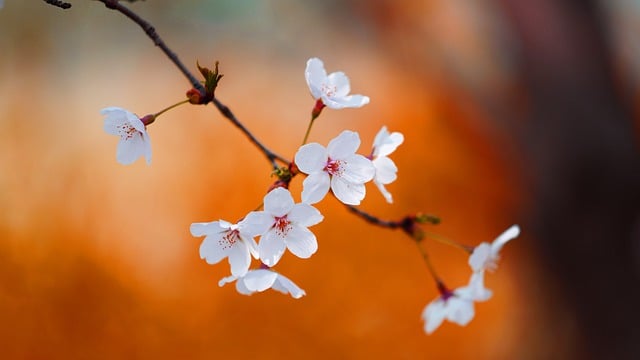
[57, 3]
[151, 32]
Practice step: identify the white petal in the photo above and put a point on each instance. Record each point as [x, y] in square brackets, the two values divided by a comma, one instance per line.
[202, 229]
[305, 215]
[271, 248]
[380, 138]
[433, 315]
[341, 83]
[259, 280]
[255, 223]
[135, 122]
[226, 280]
[459, 311]
[480, 256]
[114, 119]
[343, 145]
[278, 202]
[301, 242]
[351, 101]
[509, 234]
[311, 158]
[239, 258]
[315, 187]
[286, 286]
[475, 290]
[129, 150]
[241, 287]
[212, 249]
[146, 142]
[386, 170]
[387, 195]
[386, 143]
[348, 193]
[315, 75]
[358, 169]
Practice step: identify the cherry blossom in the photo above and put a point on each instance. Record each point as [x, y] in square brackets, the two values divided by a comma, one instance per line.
[134, 140]
[223, 239]
[262, 279]
[383, 145]
[333, 89]
[485, 256]
[283, 224]
[457, 306]
[337, 167]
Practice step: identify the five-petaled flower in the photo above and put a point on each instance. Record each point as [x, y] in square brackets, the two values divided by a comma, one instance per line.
[283, 224]
[333, 89]
[337, 166]
[262, 279]
[134, 140]
[383, 145]
[223, 239]
[456, 306]
[485, 256]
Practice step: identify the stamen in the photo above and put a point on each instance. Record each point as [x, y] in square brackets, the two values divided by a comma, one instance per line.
[282, 226]
[229, 239]
[334, 167]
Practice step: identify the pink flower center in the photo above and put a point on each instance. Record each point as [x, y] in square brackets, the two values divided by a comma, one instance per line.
[334, 167]
[282, 225]
[329, 90]
[126, 131]
[229, 239]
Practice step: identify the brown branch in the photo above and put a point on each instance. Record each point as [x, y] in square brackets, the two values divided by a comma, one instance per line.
[57, 3]
[224, 110]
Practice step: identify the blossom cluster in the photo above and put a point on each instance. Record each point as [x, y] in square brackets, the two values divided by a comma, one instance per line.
[457, 305]
[282, 224]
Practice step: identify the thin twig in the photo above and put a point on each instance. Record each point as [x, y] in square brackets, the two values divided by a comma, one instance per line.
[61, 4]
[376, 220]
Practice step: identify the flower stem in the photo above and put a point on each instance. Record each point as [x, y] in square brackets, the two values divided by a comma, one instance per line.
[374, 219]
[170, 107]
[427, 260]
[306, 135]
[448, 241]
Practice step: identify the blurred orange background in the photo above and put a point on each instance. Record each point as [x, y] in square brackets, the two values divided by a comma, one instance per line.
[96, 258]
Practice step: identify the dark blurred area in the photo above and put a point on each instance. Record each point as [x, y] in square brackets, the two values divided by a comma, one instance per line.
[513, 111]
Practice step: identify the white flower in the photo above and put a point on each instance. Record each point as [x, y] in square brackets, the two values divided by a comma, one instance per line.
[337, 166]
[485, 256]
[383, 145]
[134, 140]
[333, 89]
[456, 306]
[262, 279]
[283, 224]
[223, 239]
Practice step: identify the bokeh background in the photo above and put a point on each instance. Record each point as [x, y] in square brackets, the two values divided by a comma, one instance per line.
[513, 111]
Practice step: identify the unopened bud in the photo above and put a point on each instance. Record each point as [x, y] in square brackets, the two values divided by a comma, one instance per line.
[427, 219]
